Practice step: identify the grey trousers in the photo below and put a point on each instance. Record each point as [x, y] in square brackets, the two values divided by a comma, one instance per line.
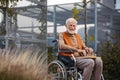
[90, 66]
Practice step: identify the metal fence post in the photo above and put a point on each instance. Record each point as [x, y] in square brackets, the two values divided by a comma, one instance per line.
[95, 6]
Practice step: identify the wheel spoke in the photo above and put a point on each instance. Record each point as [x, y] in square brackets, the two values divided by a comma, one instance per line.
[56, 71]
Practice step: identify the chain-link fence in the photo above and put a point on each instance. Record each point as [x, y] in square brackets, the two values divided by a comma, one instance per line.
[28, 25]
[108, 24]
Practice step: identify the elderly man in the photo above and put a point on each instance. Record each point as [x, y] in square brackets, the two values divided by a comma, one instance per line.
[71, 40]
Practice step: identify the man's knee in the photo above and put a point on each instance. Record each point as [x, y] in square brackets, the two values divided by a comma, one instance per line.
[99, 62]
[91, 63]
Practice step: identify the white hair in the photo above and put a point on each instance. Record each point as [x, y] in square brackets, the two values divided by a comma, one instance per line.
[69, 20]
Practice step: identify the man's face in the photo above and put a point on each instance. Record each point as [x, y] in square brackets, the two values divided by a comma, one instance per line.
[71, 27]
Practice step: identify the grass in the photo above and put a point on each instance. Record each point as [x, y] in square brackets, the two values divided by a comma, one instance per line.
[26, 64]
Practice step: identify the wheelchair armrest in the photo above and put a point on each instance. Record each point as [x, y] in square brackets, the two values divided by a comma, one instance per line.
[69, 51]
[65, 50]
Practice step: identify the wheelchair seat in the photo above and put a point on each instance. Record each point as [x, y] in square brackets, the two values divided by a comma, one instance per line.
[67, 61]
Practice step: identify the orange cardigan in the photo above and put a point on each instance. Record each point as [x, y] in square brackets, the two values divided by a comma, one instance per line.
[68, 41]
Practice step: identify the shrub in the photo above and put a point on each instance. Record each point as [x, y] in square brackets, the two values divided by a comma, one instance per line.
[51, 54]
[111, 59]
[26, 64]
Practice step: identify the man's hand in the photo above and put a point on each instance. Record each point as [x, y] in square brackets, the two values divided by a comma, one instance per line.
[89, 50]
[82, 52]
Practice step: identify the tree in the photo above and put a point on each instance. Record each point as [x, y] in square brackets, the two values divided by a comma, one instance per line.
[43, 20]
[76, 13]
[7, 9]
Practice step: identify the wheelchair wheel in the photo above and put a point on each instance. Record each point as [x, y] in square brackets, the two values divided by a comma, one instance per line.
[77, 76]
[102, 77]
[57, 71]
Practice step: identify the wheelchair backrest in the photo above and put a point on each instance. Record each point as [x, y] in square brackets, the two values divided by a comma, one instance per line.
[57, 49]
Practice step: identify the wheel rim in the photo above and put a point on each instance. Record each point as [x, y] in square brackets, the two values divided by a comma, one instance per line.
[56, 71]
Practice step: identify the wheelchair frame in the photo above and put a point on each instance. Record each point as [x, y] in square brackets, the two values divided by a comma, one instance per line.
[58, 71]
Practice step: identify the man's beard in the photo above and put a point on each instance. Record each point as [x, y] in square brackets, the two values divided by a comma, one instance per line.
[71, 31]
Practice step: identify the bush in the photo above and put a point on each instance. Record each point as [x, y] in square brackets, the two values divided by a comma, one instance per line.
[111, 59]
[51, 54]
[27, 64]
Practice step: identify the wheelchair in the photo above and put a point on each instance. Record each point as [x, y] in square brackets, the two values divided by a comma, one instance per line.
[64, 68]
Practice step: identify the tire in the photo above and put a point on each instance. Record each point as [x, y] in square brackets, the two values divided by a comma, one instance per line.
[79, 76]
[102, 77]
[75, 76]
[57, 70]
